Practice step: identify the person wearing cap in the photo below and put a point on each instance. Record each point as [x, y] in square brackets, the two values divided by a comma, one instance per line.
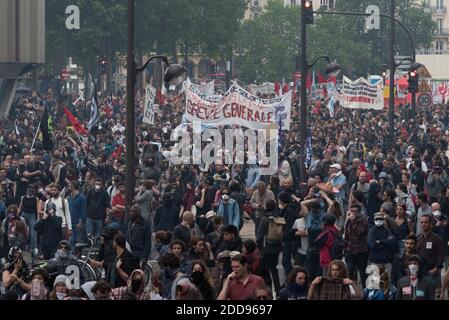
[49, 228]
[415, 286]
[63, 257]
[15, 274]
[381, 243]
[60, 290]
[338, 181]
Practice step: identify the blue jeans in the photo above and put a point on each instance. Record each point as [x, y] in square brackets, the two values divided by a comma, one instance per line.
[30, 219]
[77, 236]
[94, 227]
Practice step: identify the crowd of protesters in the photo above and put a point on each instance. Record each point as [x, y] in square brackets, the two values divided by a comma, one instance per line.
[370, 223]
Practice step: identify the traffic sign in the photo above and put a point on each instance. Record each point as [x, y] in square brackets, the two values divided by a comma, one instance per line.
[425, 100]
[424, 87]
[423, 72]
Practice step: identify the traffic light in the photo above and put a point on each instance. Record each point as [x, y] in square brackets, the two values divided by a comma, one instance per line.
[308, 12]
[413, 83]
[104, 64]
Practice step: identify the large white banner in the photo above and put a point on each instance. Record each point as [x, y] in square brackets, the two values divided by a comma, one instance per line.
[361, 94]
[264, 88]
[150, 96]
[206, 89]
[239, 107]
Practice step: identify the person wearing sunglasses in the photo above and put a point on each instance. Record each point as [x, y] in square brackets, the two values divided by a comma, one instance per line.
[263, 293]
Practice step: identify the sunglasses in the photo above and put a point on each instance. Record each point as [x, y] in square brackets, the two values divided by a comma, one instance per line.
[262, 298]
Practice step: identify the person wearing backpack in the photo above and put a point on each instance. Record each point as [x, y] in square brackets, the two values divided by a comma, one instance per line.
[269, 240]
[326, 240]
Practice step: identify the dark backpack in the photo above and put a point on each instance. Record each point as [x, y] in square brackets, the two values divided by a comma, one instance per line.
[337, 248]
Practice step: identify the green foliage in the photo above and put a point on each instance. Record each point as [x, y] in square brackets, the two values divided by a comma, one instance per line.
[271, 42]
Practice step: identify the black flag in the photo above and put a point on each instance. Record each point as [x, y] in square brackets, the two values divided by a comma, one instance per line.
[47, 131]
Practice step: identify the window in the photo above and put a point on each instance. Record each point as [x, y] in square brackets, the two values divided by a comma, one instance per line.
[256, 3]
[439, 4]
[439, 25]
[439, 46]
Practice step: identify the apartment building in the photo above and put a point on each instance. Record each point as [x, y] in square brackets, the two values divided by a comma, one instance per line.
[255, 7]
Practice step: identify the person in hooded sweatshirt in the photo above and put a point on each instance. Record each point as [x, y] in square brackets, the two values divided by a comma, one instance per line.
[296, 285]
[134, 285]
[50, 231]
[231, 242]
[167, 215]
[138, 234]
[381, 243]
[325, 240]
[63, 258]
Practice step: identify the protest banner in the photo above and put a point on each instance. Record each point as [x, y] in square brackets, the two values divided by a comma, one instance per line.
[264, 88]
[239, 107]
[361, 94]
[150, 96]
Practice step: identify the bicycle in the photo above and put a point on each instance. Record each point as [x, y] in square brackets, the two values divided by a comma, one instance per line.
[87, 272]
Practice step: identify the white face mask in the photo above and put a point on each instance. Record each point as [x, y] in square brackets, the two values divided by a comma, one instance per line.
[97, 187]
[379, 223]
[225, 197]
[413, 268]
[437, 213]
[60, 295]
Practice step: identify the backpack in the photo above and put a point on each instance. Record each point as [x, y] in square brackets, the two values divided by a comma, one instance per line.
[337, 248]
[275, 232]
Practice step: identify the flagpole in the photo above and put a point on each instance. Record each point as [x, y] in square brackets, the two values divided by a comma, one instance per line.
[35, 136]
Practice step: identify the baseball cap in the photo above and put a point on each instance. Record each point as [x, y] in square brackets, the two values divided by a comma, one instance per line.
[210, 214]
[383, 174]
[336, 166]
[379, 216]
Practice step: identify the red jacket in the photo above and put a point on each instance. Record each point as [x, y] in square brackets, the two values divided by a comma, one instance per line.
[325, 241]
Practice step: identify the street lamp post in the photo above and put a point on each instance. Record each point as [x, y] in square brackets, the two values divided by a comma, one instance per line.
[174, 75]
[332, 68]
[303, 92]
[130, 118]
[392, 73]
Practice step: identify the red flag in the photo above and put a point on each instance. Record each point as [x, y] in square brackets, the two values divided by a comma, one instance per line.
[79, 128]
[321, 78]
[277, 87]
[309, 81]
[285, 89]
[117, 153]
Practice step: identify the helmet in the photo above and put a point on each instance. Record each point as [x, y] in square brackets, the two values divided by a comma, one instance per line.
[12, 252]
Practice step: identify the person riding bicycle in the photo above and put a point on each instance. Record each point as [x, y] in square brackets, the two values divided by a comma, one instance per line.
[63, 258]
[15, 275]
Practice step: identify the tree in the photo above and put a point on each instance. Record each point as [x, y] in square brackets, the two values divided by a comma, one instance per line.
[270, 42]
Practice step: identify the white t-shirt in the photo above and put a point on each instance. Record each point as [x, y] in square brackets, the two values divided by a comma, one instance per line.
[300, 225]
[66, 219]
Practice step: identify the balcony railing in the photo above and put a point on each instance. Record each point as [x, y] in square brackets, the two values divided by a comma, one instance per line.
[432, 51]
[441, 32]
[438, 10]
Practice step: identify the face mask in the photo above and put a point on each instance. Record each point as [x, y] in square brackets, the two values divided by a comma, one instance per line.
[379, 223]
[197, 276]
[62, 254]
[97, 187]
[437, 214]
[413, 268]
[136, 283]
[60, 295]
[225, 197]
